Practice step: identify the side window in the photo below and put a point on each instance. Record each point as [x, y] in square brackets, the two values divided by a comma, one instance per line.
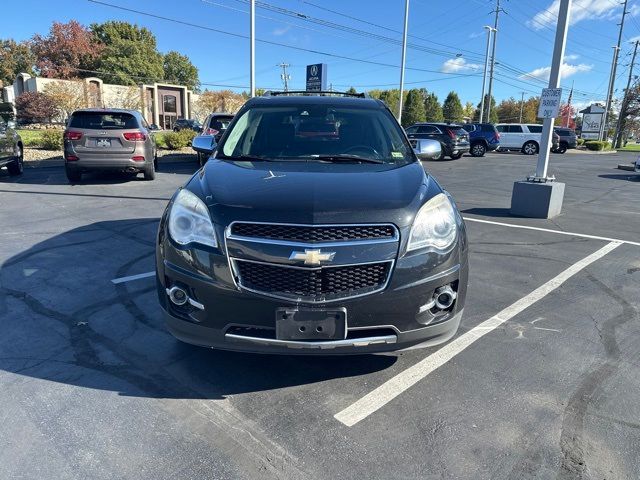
[488, 128]
[429, 129]
[413, 129]
[501, 128]
[515, 129]
[469, 127]
[535, 128]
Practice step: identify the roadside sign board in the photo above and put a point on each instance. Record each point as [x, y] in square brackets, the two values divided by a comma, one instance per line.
[591, 124]
[317, 77]
[550, 103]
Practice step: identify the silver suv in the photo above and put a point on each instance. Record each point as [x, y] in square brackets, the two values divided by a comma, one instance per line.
[108, 139]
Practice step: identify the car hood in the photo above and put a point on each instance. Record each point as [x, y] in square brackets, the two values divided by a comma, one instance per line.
[312, 192]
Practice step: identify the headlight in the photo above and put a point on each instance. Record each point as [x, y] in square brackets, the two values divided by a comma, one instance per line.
[189, 221]
[434, 225]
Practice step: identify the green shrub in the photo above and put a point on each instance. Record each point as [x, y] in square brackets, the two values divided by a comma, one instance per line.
[581, 141]
[597, 145]
[51, 140]
[178, 140]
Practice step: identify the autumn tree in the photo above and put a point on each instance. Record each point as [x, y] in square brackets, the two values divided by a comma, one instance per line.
[130, 54]
[67, 96]
[179, 70]
[432, 109]
[452, 108]
[508, 111]
[217, 101]
[530, 110]
[566, 116]
[413, 109]
[125, 97]
[468, 110]
[35, 107]
[15, 58]
[69, 51]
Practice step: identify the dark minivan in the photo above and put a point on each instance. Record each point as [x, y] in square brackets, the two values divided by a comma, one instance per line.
[312, 229]
[454, 140]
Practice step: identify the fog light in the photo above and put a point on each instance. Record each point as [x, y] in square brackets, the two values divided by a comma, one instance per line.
[178, 295]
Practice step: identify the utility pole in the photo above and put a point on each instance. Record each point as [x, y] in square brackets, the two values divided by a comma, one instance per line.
[252, 49]
[521, 105]
[484, 74]
[404, 58]
[540, 196]
[284, 75]
[625, 99]
[612, 79]
[493, 57]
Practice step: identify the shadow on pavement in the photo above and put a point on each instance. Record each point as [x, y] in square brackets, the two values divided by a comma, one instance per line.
[63, 320]
[630, 177]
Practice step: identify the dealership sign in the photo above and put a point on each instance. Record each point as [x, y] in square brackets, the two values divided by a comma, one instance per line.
[317, 77]
[592, 118]
[549, 102]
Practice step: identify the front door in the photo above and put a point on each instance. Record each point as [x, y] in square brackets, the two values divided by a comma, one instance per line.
[168, 121]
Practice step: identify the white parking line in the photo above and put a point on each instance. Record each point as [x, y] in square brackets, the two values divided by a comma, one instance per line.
[549, 230]
[389, 390]
[133, 277]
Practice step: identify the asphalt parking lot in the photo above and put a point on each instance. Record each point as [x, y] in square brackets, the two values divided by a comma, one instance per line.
[542, 380]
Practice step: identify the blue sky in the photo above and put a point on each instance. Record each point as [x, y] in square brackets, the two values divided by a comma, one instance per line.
[447, 40]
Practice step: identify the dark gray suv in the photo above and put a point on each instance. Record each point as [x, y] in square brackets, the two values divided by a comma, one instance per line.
[108, 139]
[11, 149]
[312, 229]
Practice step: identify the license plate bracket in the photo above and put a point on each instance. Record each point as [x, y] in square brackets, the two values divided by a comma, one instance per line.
[294, 323]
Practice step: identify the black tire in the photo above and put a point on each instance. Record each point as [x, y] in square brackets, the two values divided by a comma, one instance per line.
[478, 150]
[150, 172]
[561, 149]
[73, 175]
[530, 148]
[17, 166]
[456, 156]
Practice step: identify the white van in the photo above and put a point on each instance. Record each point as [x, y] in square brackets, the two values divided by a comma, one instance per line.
[523, 136]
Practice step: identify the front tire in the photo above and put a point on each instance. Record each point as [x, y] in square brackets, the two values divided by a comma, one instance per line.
[478, 150]
[73, 175]
[17, 166]
[530, 148]
[456, 156]
[561, 149]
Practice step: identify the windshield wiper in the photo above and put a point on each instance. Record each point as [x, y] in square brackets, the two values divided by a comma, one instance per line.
[245, 158]
[344, 158]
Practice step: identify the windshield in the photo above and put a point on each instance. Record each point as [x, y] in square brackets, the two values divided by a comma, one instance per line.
[317, 132]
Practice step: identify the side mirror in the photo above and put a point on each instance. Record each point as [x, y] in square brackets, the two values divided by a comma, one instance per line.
[204, 144]
[12, 124]
[427, 149]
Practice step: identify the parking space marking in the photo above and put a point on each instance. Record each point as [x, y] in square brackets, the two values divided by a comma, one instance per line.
[389, 390]
[133, 277]
[549, 230]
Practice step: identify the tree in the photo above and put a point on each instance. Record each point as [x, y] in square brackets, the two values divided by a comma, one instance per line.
[629, 113]
[468, 110]
[69, 51]
[130, 54]
[452, 108]
[352, 90]
[66, 96]
[15, 58]
[493, 116]
[391, 98]
[530, 110]
[432, 109]
[413, 109]
[508, 111]
[125, 97]
[178, 69]
[217, 101]
[35, 107]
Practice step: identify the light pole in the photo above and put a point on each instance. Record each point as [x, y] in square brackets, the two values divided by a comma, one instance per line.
[493, 58]
[252, 49]
[521, 105]
[541, 196]
[404, 57]
[603, 126]
[486, 64]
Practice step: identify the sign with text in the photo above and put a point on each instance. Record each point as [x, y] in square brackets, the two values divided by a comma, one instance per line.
[549, 102]
[591, 123]
[317, 77]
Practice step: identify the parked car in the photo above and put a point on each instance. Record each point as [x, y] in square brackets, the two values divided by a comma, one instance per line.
[637, 165]
[108, 139]
[568, 139]
[523, 137]
[454, 140]
[187, 124]
[483, 138]
[212, 130]
[300, 238]
[11, 148]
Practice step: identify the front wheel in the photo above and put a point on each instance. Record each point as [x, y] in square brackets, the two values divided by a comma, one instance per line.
[456, 156]
[561, 149]
[17, 166]
[478, 150]
[530, 148]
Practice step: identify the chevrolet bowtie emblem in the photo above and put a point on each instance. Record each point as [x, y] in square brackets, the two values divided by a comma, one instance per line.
[312, 257]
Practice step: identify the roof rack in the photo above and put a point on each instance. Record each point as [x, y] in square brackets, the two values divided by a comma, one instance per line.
[328, 93]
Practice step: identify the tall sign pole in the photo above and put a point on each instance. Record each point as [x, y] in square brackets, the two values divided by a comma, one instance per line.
[252, 49]
[484, 75]
[612, 79]
[540, 196]
[404, 57]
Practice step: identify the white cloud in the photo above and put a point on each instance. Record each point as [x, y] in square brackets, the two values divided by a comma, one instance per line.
[476, 34]
[572, 56]
[278, 32]
[459, 64]
[542, 73]
[585, 10]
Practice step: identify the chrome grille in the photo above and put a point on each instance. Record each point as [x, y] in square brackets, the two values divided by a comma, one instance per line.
[312, 284]
[314, 233]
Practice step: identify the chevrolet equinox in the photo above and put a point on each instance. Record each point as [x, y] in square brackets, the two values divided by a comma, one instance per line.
[313, 229]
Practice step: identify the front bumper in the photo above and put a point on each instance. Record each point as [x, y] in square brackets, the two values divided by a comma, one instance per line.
[231, 318]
